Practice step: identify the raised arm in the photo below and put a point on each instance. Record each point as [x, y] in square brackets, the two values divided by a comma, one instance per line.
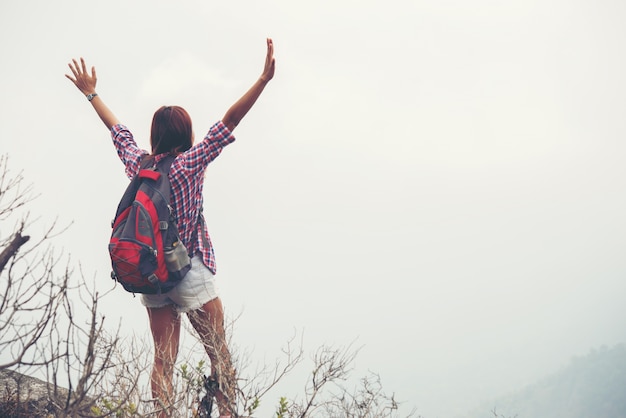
[86, 83]
[237, 111]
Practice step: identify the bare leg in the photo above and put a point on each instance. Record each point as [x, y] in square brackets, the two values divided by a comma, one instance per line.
[165, 327]
[208, 321]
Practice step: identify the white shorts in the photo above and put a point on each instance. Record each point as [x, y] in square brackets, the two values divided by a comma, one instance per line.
[194, 290]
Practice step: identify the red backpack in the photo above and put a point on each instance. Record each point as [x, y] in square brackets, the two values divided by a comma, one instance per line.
[147, 255]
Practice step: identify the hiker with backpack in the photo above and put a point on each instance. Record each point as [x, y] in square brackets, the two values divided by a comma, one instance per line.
[175, 155]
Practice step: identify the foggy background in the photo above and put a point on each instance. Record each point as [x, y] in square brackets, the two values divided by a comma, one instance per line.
[439, 182]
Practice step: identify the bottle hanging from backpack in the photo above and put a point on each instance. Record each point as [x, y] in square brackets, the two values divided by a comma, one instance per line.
[176, 257]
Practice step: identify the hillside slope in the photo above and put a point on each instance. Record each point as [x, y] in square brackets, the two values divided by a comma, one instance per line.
[593, 386]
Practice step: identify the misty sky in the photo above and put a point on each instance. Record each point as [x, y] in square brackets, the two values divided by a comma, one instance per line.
[441, 182]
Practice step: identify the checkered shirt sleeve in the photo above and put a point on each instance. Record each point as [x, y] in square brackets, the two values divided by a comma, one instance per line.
[127, 149]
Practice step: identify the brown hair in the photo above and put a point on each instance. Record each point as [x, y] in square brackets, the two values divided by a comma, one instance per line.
[171, 130]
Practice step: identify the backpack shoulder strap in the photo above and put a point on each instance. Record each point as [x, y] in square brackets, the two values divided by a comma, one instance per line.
[165, 164]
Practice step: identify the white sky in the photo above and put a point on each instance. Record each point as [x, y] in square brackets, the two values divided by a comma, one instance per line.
[441, 181]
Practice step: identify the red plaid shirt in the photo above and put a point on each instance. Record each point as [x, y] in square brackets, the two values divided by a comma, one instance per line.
[187, 180]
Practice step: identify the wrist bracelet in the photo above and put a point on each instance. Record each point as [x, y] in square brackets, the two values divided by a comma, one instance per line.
[91, 96]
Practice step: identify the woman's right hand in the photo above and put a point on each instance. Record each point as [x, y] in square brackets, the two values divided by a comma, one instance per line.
[85, 82]
[241, 107]
[270, 63]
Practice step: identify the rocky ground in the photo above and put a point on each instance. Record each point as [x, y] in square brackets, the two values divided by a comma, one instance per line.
[25, 396]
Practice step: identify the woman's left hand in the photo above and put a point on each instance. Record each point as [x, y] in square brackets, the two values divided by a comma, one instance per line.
[85, 82]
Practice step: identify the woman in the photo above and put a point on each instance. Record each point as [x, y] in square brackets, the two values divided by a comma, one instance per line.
[196, 295]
